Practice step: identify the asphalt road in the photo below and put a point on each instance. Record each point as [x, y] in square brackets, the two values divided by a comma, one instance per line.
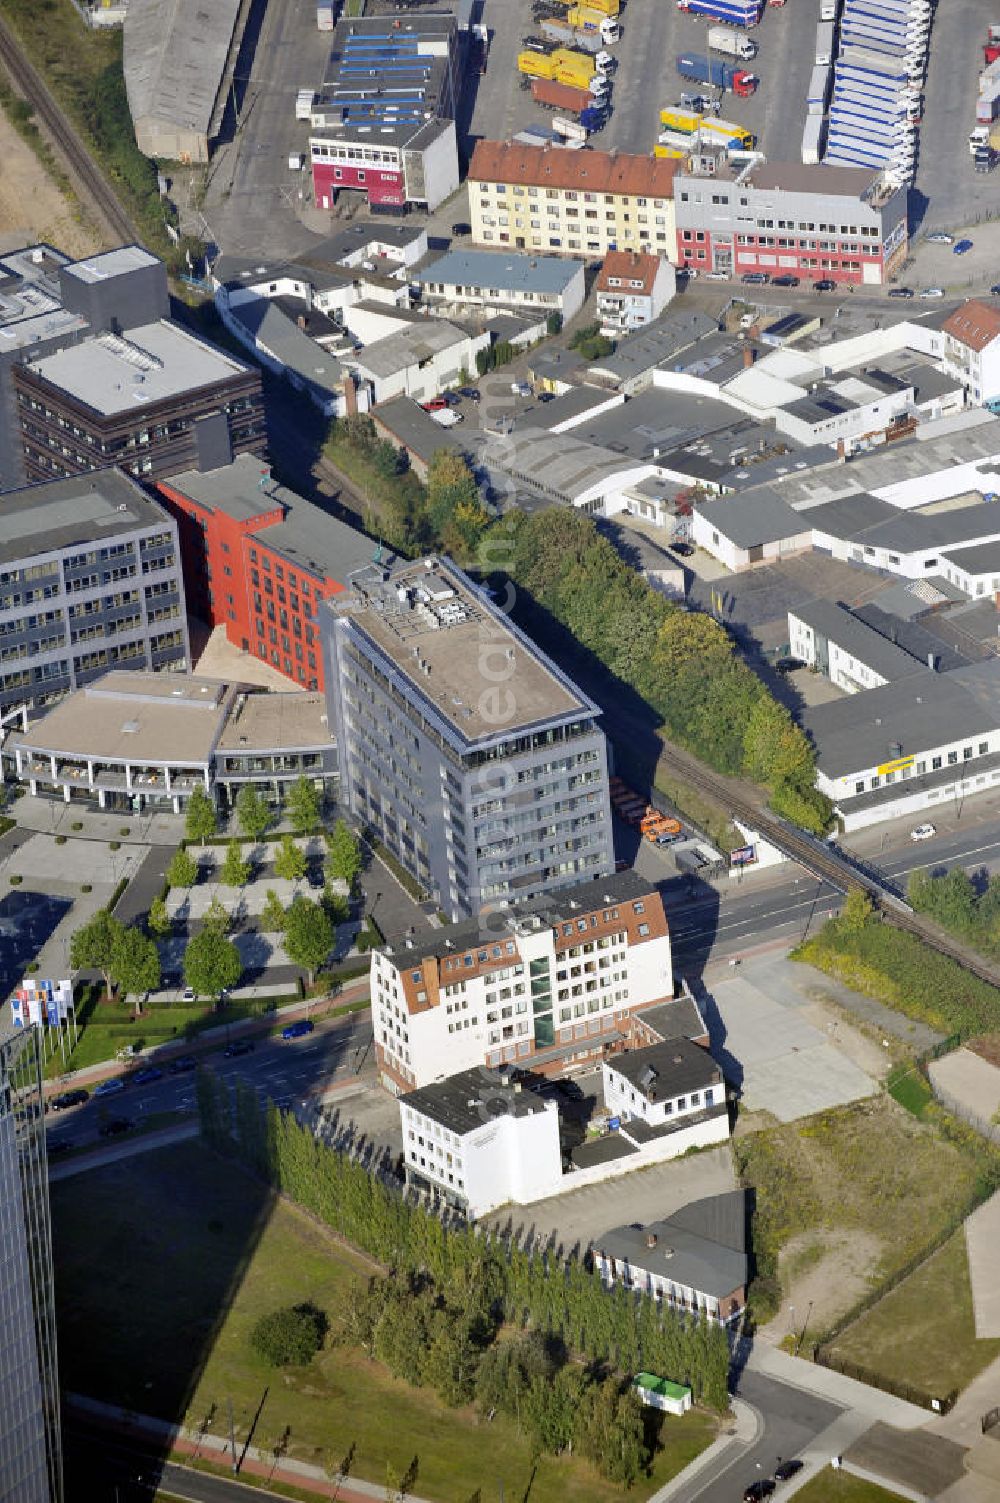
[104, 1469]
[289, 1072]
[791, 1420]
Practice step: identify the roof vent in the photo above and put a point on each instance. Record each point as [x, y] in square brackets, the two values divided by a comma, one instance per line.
[130, 727]
[650, 1239]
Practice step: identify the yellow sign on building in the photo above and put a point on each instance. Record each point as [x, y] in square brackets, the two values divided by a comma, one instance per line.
[897, 766]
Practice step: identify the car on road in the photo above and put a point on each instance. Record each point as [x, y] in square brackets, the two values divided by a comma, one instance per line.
[469, 393]
[520, 388]
[188, 994]
[436, 404]
[546, 396]
[716, 276]
[923, 832]
[785, 281]
[825, 284]
[452, 398]
[900, 292]
[147, 1075]
[961, 247]
[995, 289]
[788, 665]
[59, 1147]
[762, 1488]
[113, 1087]
[940, 237]
[755, 278]
[461, 229]
[238, 1047]
[183, 1064]
[932, 292]
[298, 1029]
[786, 1469]
[67, 1099]
[115, 1127]
[683, 550]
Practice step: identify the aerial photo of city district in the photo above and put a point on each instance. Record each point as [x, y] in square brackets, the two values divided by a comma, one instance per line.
[500, 751]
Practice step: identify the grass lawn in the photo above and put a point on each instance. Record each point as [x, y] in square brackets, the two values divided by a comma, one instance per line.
[923, 1332]
[869, 1171]
[909, 1087]
[163, 1265]
[840, 1487]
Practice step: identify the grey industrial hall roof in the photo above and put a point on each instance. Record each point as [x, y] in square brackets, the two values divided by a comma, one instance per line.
[656, 344]
[669, 1069]
[702, 1246]
[508, 271]
[875, 523]
[552, 908]
[293, 347]
[86, 509]
[758, 516]
[113, 373]
[411, 426]
[912, 459]
[560, 465]
[175, 54]
[838, 624]
[472, 1099]
[652, 420]
[985, 559]
[900, 719]
[409, 346]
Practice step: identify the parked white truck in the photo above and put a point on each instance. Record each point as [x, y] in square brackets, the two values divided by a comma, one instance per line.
[732, 43]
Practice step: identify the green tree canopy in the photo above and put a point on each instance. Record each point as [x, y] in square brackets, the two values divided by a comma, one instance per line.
[252, 812]
[158, 920]
[135, 964]
[235, 870]
[183, 869]
[289, 860]
[309, 935]
[302, 806]
[290, 1337]
[212, 964]
[343, 853]
[200, 820]
[272, 918]
[92, 946]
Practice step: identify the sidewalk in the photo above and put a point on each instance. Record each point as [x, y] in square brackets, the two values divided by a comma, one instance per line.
[717, 1459]
[847, 1393]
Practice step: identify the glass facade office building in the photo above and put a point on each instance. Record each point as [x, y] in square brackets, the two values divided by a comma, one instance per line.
[30, 1447]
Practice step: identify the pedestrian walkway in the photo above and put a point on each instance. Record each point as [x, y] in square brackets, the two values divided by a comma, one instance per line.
[51, 817]
[840, 1390]
[982, 1238]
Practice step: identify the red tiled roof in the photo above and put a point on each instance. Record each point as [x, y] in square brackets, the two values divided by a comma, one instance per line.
[554, 167]
[628, 267]
[975, 324]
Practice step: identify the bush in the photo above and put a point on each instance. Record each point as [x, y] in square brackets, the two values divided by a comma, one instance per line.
[124, 830]
[77, 824]
[86, 887]
[290, 1337]
[16, 881]
[114, 845]
[60, 840]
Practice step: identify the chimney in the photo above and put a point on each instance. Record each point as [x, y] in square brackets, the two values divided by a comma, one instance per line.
[749, 356]
[301, 321]
[841, 451]
[931, 661]
[350, 396]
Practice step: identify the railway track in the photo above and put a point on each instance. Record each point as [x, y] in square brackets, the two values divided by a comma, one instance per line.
[88, 180]
[831, 866]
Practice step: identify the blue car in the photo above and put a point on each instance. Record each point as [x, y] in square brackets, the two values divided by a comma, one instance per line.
[147, 1076]
[960, 247]
[297, 1030]
[112, 1087]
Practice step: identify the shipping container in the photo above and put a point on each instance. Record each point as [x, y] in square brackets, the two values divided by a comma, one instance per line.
[824, 42]
[732, 12]
[819, 90]
[812, 140]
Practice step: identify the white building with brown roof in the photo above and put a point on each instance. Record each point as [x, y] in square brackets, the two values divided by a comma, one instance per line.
[972, 350]
[633, 288]
[546, 985]
[571, 202]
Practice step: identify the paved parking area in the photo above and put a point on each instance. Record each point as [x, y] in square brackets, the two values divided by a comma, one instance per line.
[767, 1036]
[578, 1218]
[948, 191]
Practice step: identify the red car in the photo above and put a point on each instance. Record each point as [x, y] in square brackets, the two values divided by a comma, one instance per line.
[436, 404]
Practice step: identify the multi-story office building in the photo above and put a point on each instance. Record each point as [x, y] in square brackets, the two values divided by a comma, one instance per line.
[152, 399]
[90, 579]
[546, 984]
[30, 1445]
[258, 559]
[842, 224]
[590, 202]
[477, 762]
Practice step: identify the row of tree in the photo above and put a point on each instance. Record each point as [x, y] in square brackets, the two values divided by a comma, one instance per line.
[537, 1290]
[968, 908]
[445, 512]
[254, 815]
[682, 663]
[449, 1337]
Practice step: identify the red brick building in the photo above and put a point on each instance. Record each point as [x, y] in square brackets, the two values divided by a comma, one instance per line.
[258, 559]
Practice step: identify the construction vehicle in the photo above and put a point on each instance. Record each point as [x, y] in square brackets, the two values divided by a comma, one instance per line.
[655, 826]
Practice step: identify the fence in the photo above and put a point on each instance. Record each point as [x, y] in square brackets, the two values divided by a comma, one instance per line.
[908, 1391]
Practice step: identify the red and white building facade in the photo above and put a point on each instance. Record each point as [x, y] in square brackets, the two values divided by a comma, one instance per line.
[843, 224]
[394, 167]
